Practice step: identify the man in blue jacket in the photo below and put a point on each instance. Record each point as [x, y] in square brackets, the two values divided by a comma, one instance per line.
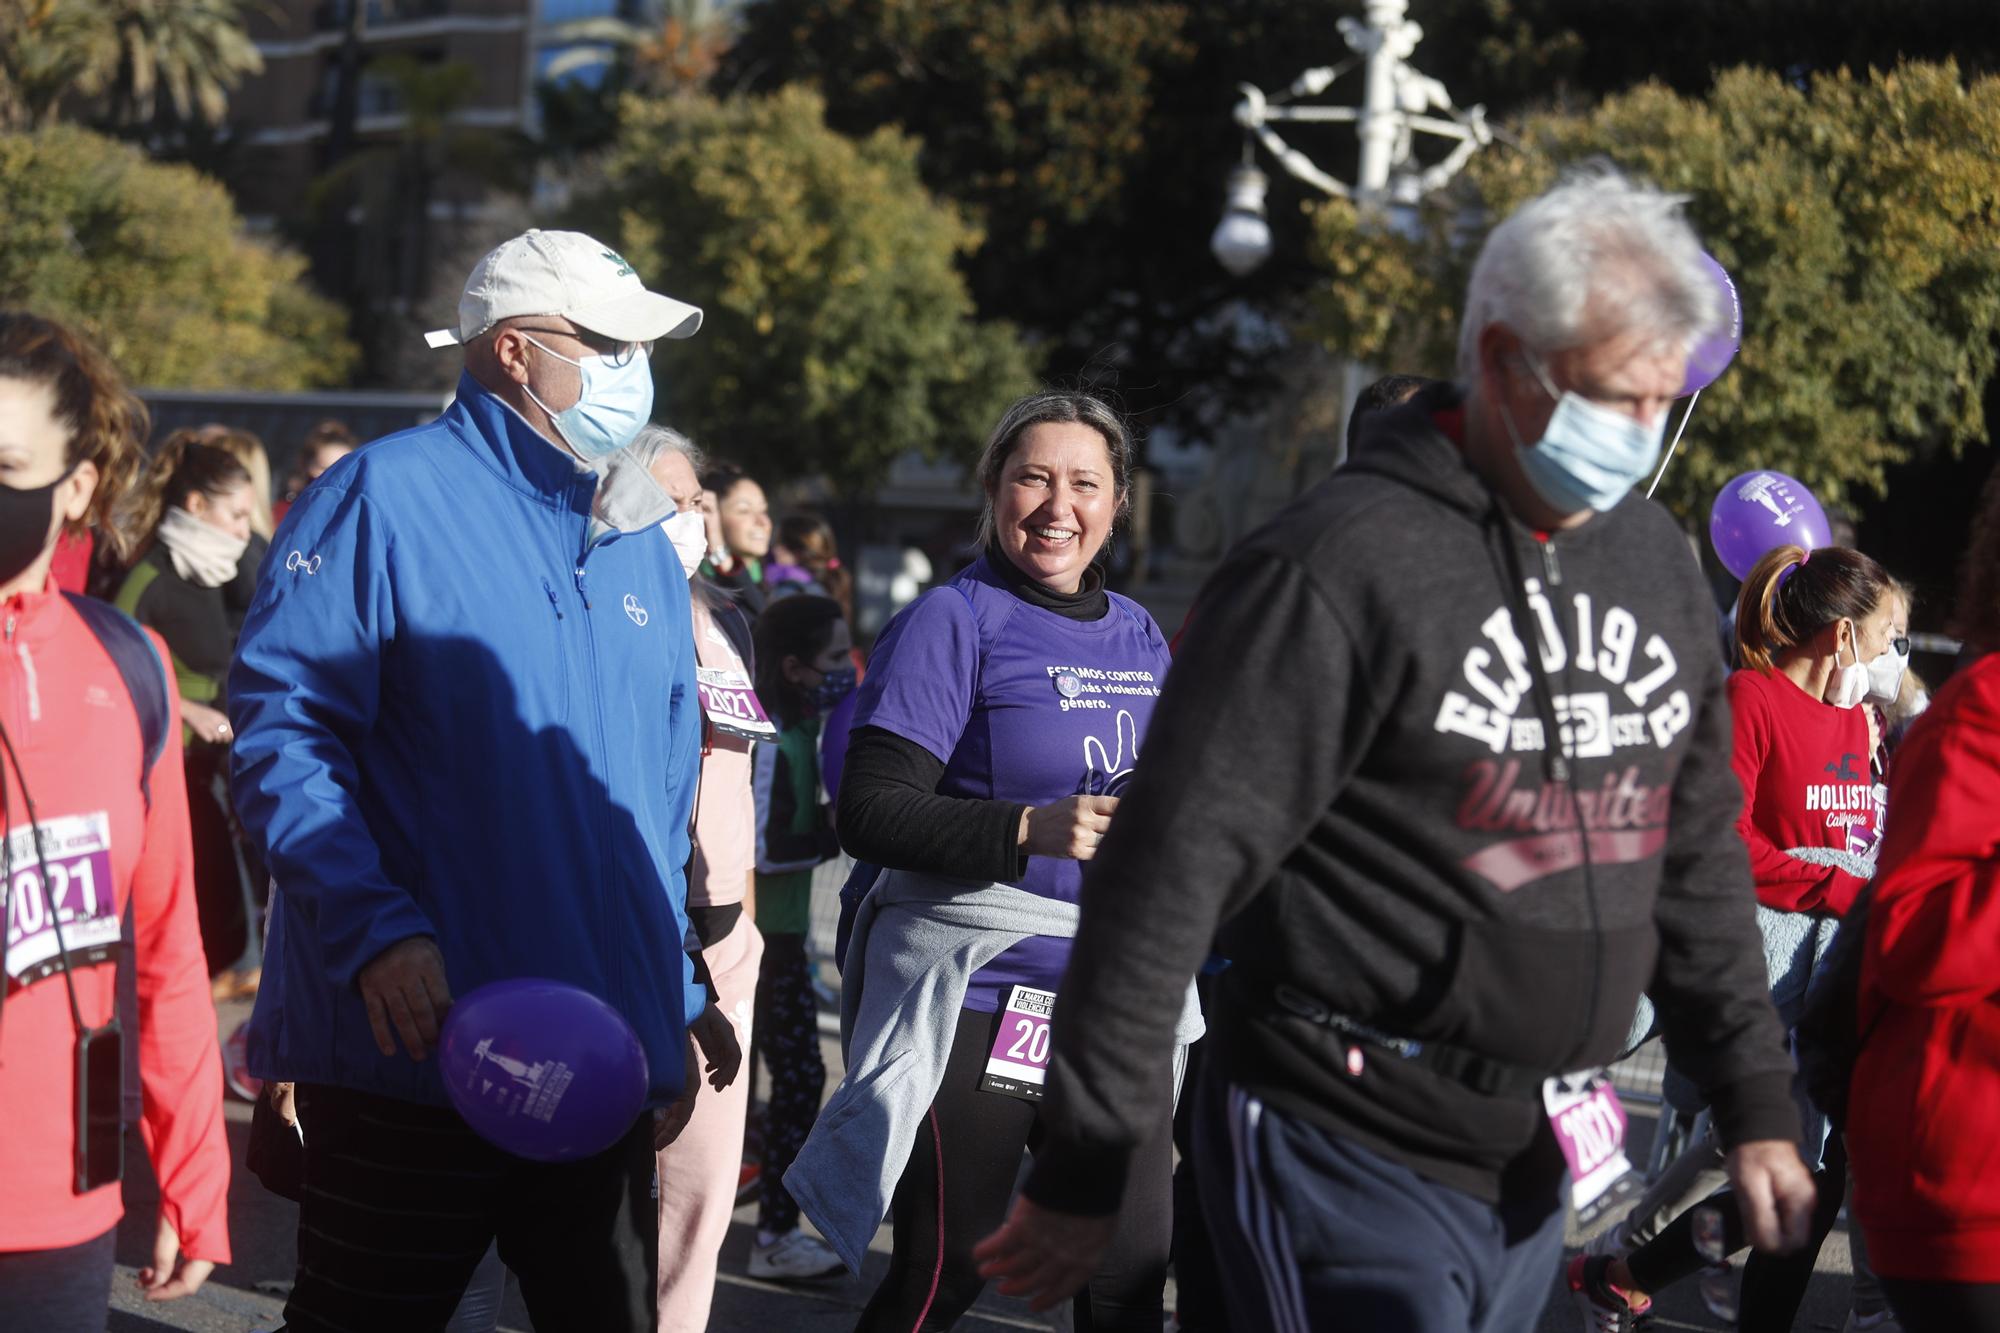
[468, 739]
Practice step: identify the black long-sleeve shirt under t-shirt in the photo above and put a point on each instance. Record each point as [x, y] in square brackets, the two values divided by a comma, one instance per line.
[890, 811]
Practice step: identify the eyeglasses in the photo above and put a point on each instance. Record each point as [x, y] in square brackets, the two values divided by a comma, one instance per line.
[614, 353]
[1900, 645]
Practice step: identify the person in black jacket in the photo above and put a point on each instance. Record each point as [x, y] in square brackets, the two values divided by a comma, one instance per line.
[1396, 705]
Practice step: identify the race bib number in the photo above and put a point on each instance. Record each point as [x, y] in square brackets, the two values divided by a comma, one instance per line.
[730, 702]
[1019, 1063]
[1589, 1123]
[80, 896]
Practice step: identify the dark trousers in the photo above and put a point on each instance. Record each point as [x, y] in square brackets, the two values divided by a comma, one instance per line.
[58, 1291]
[956, 1189]
[785, 1025]
[1774, 1285]
[1944, 1307]
[1315, 1232]
[401, 1201]
[1197, 1283]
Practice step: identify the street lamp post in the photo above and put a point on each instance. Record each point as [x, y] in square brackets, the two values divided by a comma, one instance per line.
[1397, 104]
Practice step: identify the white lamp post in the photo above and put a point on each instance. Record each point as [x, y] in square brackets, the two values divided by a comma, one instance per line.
[1397, 104]
[1242, 240]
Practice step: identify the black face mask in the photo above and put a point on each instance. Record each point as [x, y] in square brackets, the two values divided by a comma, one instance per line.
[25, 517]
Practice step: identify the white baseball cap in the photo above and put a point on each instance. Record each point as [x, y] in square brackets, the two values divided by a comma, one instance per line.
[568, 274]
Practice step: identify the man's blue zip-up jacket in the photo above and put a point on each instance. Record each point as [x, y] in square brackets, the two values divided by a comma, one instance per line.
[459, 715]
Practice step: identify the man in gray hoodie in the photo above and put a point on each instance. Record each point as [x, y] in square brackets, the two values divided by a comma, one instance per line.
[1445, 759]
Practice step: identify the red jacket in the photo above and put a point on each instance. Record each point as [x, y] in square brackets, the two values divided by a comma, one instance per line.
[1804, 766]
[1926, 1092]
[71, 719]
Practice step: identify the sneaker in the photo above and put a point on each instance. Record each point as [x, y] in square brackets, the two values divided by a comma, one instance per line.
[1718, 1290]
[1882, 1321]
[794, 1257]
[1604, 1308]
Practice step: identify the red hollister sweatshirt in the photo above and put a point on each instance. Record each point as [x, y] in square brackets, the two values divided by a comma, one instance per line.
[1926, 1092]
[71, 719]
[1804, 766]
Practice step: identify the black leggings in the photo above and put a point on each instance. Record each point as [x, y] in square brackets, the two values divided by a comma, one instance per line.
[1944, 1307]
[1774, 1285]
[786, 1032]
[956, 1188]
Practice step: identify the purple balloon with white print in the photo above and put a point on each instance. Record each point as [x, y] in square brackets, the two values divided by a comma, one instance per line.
[1759, 511]
[543, 1069]
[1712, 355]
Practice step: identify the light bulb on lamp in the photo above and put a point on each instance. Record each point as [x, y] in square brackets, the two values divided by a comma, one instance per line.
[1242, 240]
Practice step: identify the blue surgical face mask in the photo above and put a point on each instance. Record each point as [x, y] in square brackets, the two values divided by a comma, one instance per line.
[617, 400]
[1589, 456]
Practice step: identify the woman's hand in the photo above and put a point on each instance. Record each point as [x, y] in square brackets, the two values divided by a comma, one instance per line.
[1070, 829]
[171, 1277]
[722, 1054]
[208, 723]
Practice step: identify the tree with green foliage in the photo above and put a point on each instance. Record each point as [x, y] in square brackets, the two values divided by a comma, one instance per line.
[152, 263]
[1855, 214]
[1089, 139]
[122, 62]
[837, 331]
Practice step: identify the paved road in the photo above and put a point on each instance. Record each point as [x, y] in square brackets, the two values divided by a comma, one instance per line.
[246, 1297]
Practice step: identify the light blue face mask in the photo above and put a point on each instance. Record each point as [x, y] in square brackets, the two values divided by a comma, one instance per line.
[1589, 456]
[617, 400]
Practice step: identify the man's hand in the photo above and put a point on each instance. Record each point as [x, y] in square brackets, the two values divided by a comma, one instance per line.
[723, 1054]
[1044, 1257]
[160, 1282]
[405, 990]
[1775, 1192]
[284, 1100]
[671, 1119]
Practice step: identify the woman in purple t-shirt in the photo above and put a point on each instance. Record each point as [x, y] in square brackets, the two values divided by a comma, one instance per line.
[1001, 717]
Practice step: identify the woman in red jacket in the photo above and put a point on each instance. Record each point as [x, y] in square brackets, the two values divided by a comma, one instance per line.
[93, 844]
[1926, 1090]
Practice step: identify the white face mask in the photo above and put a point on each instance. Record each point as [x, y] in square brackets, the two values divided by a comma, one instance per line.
[689, 534]
[1850, 682]
[1885, 676]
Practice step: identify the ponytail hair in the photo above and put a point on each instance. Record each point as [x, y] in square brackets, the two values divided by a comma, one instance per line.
[1792, 594]
[107, 423]
[181, 466]
[810, 540]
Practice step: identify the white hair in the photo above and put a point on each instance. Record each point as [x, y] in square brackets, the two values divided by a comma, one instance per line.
[1595, 257]
[654, 442]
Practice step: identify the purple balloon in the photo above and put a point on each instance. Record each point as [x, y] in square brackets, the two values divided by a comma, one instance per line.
[1712, 355]
[833, 744]
[1760, 511]
[543, 1069]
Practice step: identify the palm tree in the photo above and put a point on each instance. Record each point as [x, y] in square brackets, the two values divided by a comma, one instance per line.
[47, 49]
[183, 55]
[142, 58]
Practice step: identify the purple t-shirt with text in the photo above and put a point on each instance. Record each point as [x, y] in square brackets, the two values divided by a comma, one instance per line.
[1021, 705]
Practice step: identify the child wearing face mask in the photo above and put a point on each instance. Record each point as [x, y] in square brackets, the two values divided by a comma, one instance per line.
[803, 669]
[1823, 639]
[193, 515]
